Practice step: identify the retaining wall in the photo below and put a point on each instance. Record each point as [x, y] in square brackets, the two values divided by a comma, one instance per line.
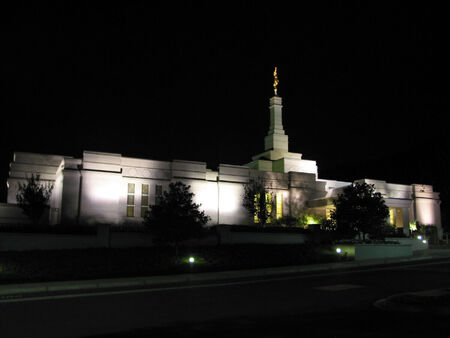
[416, 244]
[373, 251]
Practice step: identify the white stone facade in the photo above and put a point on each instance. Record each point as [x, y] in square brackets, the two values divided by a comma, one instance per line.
[96, 187]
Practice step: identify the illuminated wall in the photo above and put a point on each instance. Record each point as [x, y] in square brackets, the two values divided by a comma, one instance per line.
[94, 189]
[427, 205]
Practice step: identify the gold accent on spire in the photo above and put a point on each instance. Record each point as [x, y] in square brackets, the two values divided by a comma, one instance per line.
[275, 81]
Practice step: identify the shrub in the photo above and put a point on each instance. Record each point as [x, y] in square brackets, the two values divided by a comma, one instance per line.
[287, 221]
[33, 197]
[176, 218]
[305, 220]
[359, 209]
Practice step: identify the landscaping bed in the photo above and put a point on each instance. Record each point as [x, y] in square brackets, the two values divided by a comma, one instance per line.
[76, 264]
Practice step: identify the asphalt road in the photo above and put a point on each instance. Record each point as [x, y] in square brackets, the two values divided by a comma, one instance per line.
[315, 305]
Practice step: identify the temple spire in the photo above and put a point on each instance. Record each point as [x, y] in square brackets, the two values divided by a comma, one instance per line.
[276, 139]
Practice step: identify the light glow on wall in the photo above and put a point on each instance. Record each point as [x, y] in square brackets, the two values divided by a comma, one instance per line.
[104, 191]
[425, 211]
[207, 197]
[312, 220]
[230, 198]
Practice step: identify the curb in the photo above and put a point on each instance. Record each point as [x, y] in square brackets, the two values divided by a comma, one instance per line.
[21, 290]
[391, 304]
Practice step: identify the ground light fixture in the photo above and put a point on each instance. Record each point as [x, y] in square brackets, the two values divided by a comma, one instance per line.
[419, 238]
[191, 260]
[338, 250]
[424, 241]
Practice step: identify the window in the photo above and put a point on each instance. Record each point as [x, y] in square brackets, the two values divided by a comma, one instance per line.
[144, 200]
[158, 194]
[279, 205]
[396, 217]
[130, 200]
[268, 207]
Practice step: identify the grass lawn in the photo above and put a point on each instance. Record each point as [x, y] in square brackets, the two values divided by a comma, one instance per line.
[77, 264]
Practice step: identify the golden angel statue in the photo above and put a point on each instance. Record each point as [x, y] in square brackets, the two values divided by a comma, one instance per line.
[275, 81]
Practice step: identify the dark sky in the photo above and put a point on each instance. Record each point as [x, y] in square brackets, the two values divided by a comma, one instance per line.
[364, 86]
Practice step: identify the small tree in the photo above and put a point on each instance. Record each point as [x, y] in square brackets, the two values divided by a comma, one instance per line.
[258, 201]
[176, 218]
[33, 197]
[359, 209]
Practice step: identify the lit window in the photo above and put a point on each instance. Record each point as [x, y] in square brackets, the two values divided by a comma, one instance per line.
[279, 206]
[268, 207]
[130, 211]
[144, 200]
[130, 200]
[396, 217]
[391, 216]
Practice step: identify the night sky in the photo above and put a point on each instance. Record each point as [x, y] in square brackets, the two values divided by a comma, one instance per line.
[364, 86]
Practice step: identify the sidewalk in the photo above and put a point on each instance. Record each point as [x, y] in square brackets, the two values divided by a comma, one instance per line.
[30, 289]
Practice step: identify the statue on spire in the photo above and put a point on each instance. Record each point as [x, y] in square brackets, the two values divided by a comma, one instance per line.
[275, 81]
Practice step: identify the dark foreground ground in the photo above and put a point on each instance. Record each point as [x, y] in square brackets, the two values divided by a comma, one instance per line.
[369, 322]
[315, 304]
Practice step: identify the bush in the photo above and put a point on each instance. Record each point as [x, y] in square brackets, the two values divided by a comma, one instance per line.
[305, 220]
[287, 221]
[176, 218]
[359, 209]
[33, 197]
[428, 231]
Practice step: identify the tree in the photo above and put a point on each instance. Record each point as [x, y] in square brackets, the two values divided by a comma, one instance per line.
[359, 209]
[258, 200]
[176, 218]
[33, 197]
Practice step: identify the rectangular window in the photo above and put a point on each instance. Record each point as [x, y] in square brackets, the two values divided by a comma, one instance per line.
[255, 217]
[396, 217]
[268, 199]
[158, 194]
[391, 216]
[279, 205]
[144, 200]
[130, 200]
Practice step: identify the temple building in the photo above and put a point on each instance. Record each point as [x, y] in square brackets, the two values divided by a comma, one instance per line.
[115, 189]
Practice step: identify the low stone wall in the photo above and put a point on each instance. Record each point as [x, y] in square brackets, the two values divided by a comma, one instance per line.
[380, 251]
[105, 238]
[416, 244]
[226, 236]
[24, 241]
[12, 214]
